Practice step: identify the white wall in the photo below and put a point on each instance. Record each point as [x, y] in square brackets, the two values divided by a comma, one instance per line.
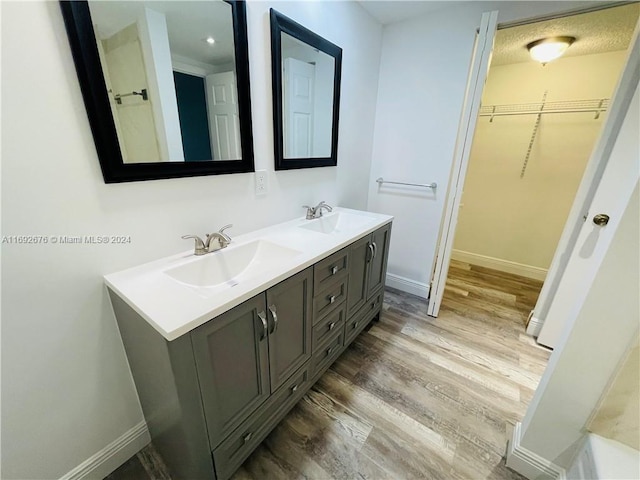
[513, 220]
[66, 387]
[618, 416]
[423, 73]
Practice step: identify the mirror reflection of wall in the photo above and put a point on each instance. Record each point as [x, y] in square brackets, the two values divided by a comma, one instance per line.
[170, 70]
[307, 99]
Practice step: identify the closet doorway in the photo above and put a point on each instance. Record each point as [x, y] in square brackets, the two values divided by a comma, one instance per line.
[535, 132]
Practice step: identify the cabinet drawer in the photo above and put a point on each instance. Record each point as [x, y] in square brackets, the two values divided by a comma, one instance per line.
[326, 354]
[362, 318]
[330, 270]
[242, 441]
[329, 299]
[327, 326]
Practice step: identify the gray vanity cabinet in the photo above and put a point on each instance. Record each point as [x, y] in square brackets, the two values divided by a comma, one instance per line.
[378, 262]
[245, 354]
[367, 268]
[359, 253]
[289, 311]
[232, 360]
[212, 395]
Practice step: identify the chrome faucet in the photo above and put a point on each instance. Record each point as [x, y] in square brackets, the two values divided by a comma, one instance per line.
[316, 212]
[203, 247]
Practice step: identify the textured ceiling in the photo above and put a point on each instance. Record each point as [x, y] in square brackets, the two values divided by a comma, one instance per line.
[595, 32]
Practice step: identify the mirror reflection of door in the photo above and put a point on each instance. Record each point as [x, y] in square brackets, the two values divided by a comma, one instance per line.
[123, 64]
[299, 79]
[224, 122]
[307, 99]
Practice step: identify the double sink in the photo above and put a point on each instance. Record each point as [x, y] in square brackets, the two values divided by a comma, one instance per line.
[227, 267]
[178, 293]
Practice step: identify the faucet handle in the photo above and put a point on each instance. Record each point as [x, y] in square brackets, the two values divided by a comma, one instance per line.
[200, 248]
[311, 212]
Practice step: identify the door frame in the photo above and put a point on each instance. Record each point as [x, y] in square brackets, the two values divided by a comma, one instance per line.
[621, 98]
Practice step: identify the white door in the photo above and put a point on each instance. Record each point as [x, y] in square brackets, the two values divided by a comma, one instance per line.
[299, 85]
[477, 78]
[612, 173]
[224, 125]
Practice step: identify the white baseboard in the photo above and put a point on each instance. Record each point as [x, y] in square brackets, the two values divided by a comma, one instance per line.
[534, 327]
[530, 464]
[113, 455]
[406, 285]
[507, 266]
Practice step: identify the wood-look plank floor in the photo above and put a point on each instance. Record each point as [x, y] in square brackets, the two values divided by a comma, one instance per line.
[414, 396]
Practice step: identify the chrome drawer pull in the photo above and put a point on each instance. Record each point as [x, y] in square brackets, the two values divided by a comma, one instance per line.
[247, 437]
[263, 319]
[332, 298]
[294, 388]
[355, 325]
[329, 350]
[274, 314]
[334, 270]
[331, 325]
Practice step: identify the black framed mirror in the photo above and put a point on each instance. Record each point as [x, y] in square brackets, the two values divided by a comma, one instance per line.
[306, 71]
[165, 84]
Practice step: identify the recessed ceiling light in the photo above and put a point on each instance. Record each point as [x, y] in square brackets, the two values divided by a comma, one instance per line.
[210, 40]
[547, 49]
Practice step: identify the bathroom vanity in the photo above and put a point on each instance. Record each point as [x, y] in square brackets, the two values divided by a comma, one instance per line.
[223, 345]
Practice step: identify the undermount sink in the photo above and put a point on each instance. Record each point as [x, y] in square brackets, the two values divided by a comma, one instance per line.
[336, 222]
[229, 266]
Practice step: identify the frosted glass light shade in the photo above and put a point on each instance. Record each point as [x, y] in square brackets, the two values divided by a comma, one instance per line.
[548, 49]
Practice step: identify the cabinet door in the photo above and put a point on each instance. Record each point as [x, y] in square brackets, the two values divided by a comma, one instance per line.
[231, 355]
[359, 256]
[289, 306]
[378, 264]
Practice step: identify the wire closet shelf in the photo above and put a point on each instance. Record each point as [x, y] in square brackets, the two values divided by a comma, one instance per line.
[596, 106]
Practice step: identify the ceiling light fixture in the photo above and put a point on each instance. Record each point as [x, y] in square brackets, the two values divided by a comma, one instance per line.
[547, 49]
[210, 40]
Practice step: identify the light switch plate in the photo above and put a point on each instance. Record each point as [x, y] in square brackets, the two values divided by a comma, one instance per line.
[262, 182]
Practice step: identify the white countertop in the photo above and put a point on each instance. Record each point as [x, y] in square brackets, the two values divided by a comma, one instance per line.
[174, 308]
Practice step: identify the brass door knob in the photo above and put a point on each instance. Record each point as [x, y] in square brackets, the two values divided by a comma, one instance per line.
[601, 219]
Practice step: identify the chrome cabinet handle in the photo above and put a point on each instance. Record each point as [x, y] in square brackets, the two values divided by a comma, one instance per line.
[263, 319]
[371, 249]
[331, 325]
[274, 314]
[355, 325]
[294, 388]
[331, 298]
[329, 350]
[247, 437]
[375, 250]
[334, 270]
